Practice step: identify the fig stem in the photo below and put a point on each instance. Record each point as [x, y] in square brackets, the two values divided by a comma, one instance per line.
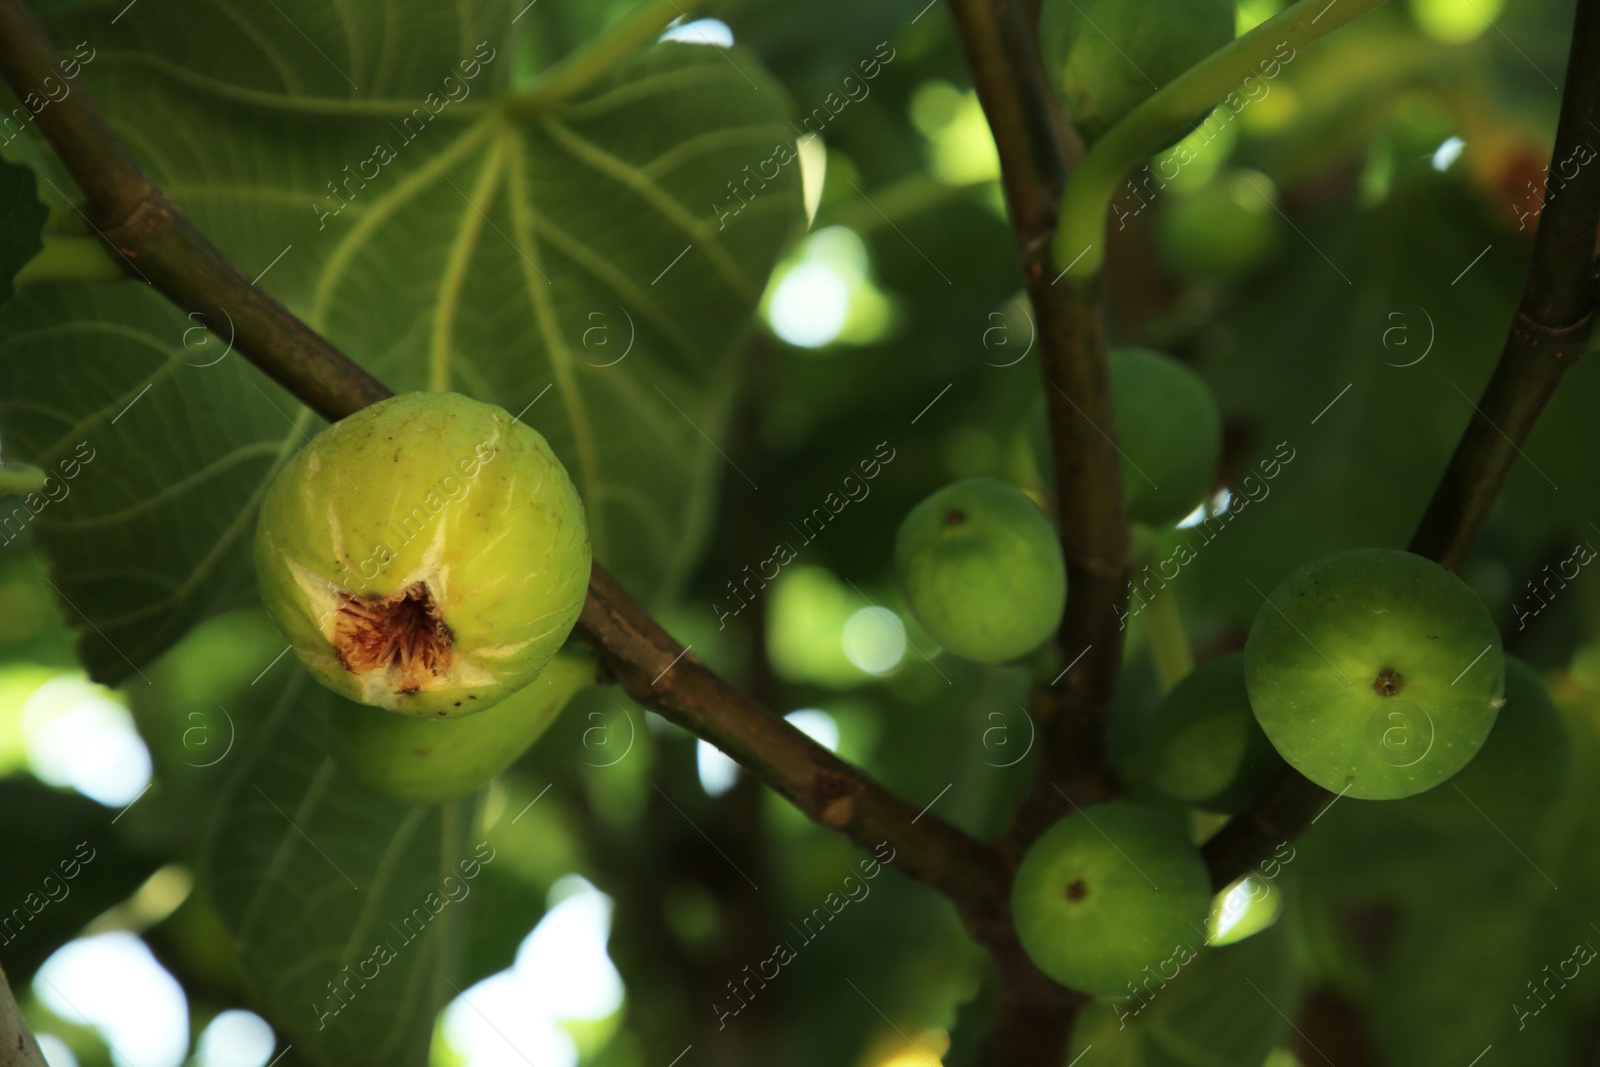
[1081, 242]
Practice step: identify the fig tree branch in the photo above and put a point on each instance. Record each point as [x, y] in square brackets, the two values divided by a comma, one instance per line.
[1551, 326]
[1548, 333]
[161, 245]
[1038, 146]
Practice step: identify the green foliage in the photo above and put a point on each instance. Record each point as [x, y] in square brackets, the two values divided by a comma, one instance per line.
[1331, 283]
[1230, 1005]
[344, 904]
[499, 250]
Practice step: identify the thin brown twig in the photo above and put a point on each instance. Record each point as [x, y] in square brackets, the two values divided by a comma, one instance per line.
[1038, 146]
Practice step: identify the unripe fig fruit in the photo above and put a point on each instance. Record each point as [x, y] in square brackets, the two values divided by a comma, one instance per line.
[981, 569]
[428, 555]
[428, 761]
[1105, 893]
[1375, 673]
[1168, 432]
[1521, 771]
[1106, 56]
[1205, 747]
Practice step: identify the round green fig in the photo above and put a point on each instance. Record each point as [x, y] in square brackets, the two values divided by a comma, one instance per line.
[1107, 892]
[1521, 771]
[981, 569]
[1205, 747]
[428, 555]
[431, 760]
[1168, 431]
[1375, 673]
[1106, 56]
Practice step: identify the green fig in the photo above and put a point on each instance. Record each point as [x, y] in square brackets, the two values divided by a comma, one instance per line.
[981, 569]
[1376, 673]
[431, 760]
[427, 554]
[1107, 892]
[1205, 747]
[1521, 771]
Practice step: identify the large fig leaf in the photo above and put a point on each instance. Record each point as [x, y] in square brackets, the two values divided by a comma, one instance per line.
[373, 165]
[347, 908]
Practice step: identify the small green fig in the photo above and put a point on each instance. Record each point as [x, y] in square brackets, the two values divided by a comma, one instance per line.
[1107, 892]
[981, 569]
[428, 555]
[428, 761]
[1205, 747]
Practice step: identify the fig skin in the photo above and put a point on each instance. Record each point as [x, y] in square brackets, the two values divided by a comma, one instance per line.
[1205, 747]
[1521, 772]
[1105, 893]
[1375, 673]
[981, 569]
[427, 555]
[429, 761]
